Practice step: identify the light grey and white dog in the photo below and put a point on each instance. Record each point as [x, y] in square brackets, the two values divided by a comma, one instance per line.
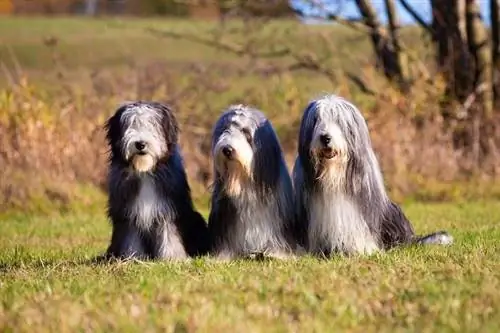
[149, 201]
[252, 210]
[342, 203]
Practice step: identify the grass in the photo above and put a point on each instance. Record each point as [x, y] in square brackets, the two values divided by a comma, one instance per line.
[51, 201]
[48, 282]
[84, 43]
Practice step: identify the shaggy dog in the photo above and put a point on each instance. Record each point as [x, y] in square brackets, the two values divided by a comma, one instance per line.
[149, 200]
[252, 200]
[342, 202]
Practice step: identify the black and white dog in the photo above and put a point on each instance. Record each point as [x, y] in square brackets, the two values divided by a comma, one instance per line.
[149, 201]
[342, 202]
[252, 210]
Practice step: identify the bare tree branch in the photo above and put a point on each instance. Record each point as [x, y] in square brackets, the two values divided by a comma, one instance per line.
[416, 16]
[332, 16]
[300, 60]
[235, 49]
[361, 84]
[308, 63]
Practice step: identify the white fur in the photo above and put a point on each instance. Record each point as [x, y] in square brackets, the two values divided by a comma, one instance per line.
[327, 127]
[441, 239]
[143, 125]
[147, 205]
[335, 221]
[347, 208]
[172, 246]
[243, 152]
[256, 229]
[143, 163]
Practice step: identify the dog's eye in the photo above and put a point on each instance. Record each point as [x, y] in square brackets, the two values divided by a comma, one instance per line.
[247, 134]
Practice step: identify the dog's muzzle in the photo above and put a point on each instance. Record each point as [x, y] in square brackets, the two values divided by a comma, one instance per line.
[326, 151]
[141, 159]
[228, 152]
[140, 146]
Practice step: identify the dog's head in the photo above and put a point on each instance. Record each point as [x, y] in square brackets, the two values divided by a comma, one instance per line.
[245, 149]
[141, 134]
[333, 136]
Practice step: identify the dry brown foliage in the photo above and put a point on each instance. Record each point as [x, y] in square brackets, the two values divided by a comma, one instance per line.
[52, 141]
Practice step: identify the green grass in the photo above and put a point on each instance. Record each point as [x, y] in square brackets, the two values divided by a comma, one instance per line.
[113, 42]
[47, 280]
[47, 283]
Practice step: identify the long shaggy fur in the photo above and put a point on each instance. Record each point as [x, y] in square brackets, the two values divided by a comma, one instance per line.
[252, 200]
[149, 201]
[341, 199]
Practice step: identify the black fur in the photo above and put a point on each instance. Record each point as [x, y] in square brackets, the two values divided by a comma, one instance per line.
[177, 213]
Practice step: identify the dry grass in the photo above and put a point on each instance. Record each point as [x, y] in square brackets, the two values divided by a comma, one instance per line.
[62, 77]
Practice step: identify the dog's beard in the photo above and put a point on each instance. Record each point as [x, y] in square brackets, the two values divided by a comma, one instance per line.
[236, 177]
[142, 163]
[330, 172]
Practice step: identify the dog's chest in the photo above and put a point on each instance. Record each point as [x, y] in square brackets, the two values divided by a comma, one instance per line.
[148, 204]
[257, 228]
[336, 223]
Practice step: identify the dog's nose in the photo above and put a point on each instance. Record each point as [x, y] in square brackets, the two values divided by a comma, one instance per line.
[325, 139]
[140, 145]
[227, 151]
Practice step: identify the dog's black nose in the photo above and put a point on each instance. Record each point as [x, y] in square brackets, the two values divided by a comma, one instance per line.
[227, 151]
[325, 139]
[140, 145]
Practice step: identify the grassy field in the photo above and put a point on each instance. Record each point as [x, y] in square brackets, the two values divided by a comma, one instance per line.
[47, 282]
[59, 80]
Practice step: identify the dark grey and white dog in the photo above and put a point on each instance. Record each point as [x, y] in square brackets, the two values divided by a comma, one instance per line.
[149, 202]
[252, 200]
[342, 202]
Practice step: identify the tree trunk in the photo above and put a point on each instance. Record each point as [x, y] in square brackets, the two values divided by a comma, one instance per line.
[395, 44]
[482, 110]
[385, 52]
[478, 48]
[495, 49]
[453, 58]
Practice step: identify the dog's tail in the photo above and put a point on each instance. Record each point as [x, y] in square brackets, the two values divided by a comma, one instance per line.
[435, 238]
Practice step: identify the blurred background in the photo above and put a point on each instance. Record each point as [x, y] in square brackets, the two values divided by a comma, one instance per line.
[424, 73]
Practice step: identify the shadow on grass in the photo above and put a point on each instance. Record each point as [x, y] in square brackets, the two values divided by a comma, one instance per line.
[24, 258]
[102, 260]
[21, 259]
[40, 263]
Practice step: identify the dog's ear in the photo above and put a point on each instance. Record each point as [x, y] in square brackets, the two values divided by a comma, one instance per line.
[169, 125]
[113, 130]
[113, 127]
[308, 123]
[268, 156]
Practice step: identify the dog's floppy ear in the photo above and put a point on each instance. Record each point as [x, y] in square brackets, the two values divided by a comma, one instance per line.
[113, 127]
[169, 125]
[306, 130]
[267, 155]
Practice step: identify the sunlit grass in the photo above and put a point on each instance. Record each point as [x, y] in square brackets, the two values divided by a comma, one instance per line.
[49, 284]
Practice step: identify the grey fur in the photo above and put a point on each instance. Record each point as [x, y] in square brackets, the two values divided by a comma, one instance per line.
[252, 208]
[342, 202]
[149, 201]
